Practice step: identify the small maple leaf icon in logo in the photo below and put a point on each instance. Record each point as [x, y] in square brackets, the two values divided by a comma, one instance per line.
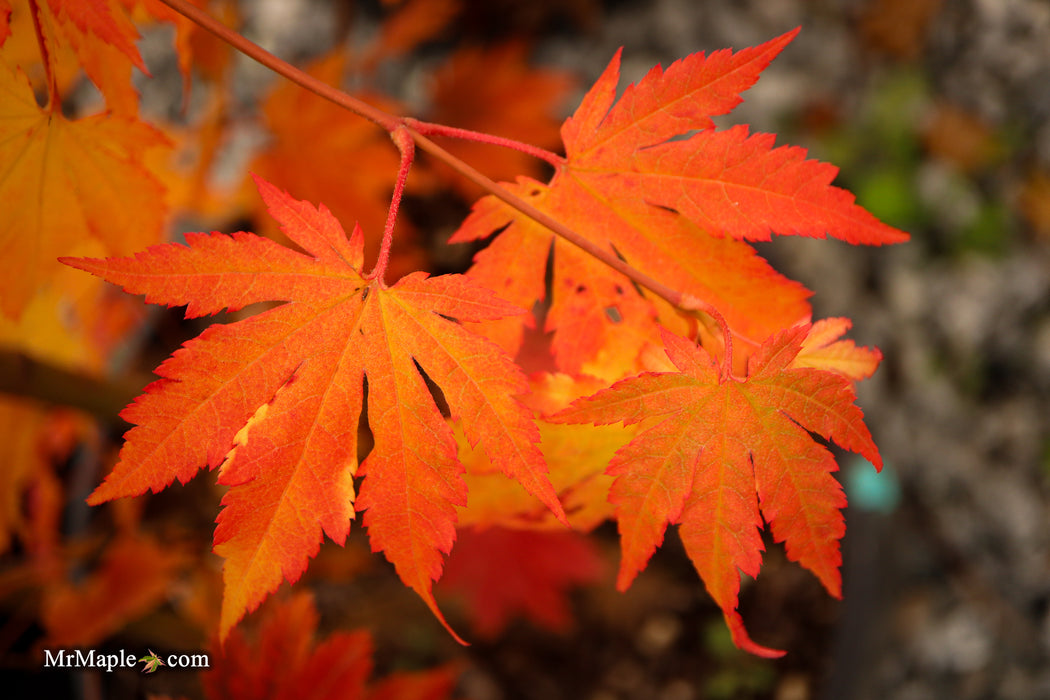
[152, 662]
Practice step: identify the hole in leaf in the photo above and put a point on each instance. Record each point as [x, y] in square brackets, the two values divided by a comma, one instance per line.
[548, 275]
[614, 314]
[365, 439]
[619, 289]
[435, 391]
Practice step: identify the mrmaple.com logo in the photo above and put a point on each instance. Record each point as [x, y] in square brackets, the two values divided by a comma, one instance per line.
[78, 658]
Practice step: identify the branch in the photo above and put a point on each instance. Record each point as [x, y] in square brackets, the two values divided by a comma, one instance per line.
[24, 376]
[393, 124]
[671, 296]
[249, 48]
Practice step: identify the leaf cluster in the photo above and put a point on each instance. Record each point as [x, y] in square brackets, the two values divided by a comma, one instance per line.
[617, 351]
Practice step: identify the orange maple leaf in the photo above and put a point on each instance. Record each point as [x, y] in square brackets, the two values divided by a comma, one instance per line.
[64, 180]
[409, 25]
[5, 21]
[277, 398]
[677, 210]
[103, 19]
[22, 426]
[103, 39]
[576, 456]
[131, 580]
[725, 453]
[822, 349]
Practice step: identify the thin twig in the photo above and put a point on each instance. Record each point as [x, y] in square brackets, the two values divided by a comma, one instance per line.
[432, 129]
[22, 375]
[407, 148]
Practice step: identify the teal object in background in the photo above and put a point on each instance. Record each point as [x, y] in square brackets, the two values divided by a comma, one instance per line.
[866, 489]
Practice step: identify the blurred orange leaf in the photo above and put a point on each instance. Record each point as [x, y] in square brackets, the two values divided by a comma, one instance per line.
[5, 21]
[494, 90]
[103, 39]
[1035, 202]
[413, 22]
[66, 180]
[576, 456]
[131, 580]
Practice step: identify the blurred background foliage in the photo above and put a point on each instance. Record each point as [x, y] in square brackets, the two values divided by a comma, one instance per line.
[937, 113]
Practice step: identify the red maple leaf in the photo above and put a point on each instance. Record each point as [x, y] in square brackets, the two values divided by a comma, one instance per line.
[503, 572]
[285, 660]
[276, 400]
[720, 453]
[678, 210]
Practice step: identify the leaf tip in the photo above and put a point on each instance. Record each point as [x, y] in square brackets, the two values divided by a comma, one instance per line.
[268, 191]
[560, 514]
[86, 264]
[97, 497]
[261, 183]
[428, 598]
[625, 577]
[743, 641]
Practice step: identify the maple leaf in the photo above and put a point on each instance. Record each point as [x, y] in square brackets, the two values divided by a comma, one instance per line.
[132, 579]
[435, 684]
[31, 495]
[20, 426]
[411, 24]
[103, 19]
[152, 662]
[721, 453]
[103, 39]
[576, 457]
[5, 21]
[822, 349]
[284, 660]
[278, 397]
[503, 572]
[62, 180]
[678, 209]
[197, 49]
